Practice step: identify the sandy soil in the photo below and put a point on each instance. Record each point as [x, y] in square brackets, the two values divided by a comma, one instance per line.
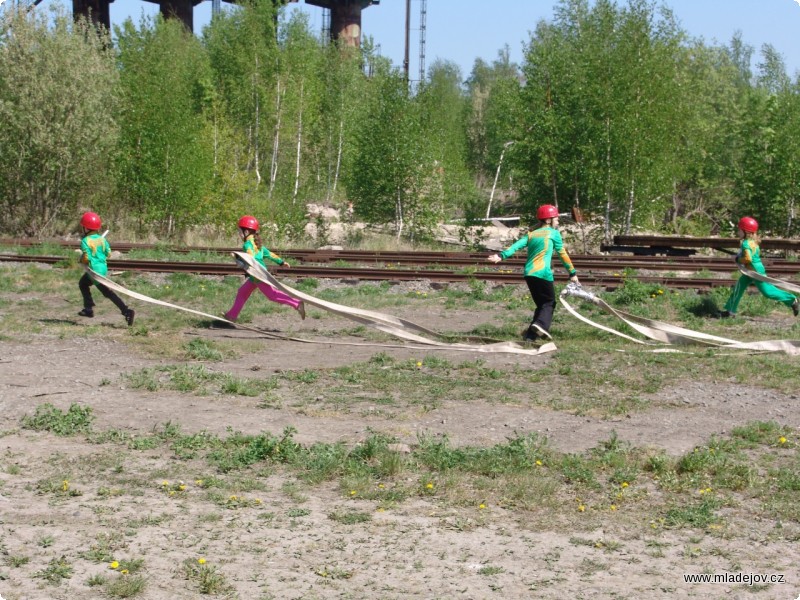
[418, 549]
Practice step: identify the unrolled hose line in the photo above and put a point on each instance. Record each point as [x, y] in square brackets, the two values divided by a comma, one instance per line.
[662, 335]
[395, 326]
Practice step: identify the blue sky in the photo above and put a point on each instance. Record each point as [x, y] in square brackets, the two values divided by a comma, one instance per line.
[463, 30]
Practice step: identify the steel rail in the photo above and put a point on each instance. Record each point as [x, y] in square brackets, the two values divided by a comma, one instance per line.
[371, 274]
[661, 241]
[472, 259]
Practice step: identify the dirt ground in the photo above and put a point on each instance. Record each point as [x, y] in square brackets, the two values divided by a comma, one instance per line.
[418, 549]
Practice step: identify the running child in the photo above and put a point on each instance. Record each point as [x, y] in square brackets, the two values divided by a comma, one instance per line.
[248, 229]
[95, 251]
[749, 256]
[540, 244]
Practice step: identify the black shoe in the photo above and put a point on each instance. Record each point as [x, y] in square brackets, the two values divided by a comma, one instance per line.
[726, 314]
[86, 312]
[796, 307]
[129, 316]
[530, 336]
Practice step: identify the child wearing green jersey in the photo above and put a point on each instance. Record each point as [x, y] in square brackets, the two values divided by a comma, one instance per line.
[540, 244]
[248, 228]
[95, 251]
[750, 257]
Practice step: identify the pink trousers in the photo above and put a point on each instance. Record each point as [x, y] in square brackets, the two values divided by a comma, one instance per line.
[248, 287]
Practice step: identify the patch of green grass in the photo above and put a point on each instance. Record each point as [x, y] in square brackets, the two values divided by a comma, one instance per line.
[200, 349]
[126, 586]
[196, 379]
[46, 417]
[208, 579]
[16, 561]
[56, 570]
[693, 514]
[760, 432]
[349, 517]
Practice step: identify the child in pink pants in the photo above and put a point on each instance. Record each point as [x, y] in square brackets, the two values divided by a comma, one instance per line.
[248, 227]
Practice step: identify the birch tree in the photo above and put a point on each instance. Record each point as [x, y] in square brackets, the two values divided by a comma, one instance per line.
[57, 132]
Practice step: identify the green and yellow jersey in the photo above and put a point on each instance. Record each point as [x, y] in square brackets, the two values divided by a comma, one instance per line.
[95, 252]
[540, 244]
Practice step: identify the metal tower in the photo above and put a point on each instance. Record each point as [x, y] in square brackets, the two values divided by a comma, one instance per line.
[423, 14]
[326, 25]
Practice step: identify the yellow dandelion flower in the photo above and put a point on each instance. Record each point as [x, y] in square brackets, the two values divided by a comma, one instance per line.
[198, 482]
[233, 498]
[581, 508]
[201, 561]
[781, 440]
[124, 571]
[660, 291]
[538, 463]
[429, 486]
[165, 483]
[114, 565]
[258, 500]
[481, 506]
[419, 364]
[65, 485]
[352, 492]
[652, 295]
[181, 487]
[624, 484]
[380, 485]
[172, 492]
[613, 507]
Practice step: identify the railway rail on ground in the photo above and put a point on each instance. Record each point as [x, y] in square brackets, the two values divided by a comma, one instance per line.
[608, 271]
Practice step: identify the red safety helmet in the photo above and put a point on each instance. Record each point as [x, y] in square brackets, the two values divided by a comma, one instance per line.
[546, 211]
[91, 220]
[748, 224]
[248, 222]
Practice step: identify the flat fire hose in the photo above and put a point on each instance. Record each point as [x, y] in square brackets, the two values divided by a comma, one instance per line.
[662, 334]
[392, 325]
[786, 286]
[395, 326]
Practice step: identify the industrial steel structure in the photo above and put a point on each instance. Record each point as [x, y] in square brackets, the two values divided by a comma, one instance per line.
[343, 17]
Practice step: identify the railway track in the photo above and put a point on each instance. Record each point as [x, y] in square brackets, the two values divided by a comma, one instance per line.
[599, 270]
[457, 259]
[606, 279]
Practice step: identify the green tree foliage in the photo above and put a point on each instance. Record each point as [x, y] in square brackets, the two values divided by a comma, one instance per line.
[767, 177]
[601, 106]
[243, 52]
[165, 160]
[388, 163]
[614, 109]
[295, 160]
[57, 133]
[443, 107]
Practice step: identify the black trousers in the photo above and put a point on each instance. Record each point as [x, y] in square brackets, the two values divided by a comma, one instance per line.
[543, 293]
[85, 285]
